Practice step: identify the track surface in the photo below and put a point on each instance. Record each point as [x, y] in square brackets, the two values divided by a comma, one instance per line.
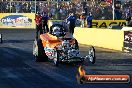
[19, 70]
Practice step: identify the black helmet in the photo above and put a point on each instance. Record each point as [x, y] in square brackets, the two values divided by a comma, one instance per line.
[38, 13]
[45, 13]
[90, 13]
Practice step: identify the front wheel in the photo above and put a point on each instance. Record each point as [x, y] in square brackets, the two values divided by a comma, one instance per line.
[1, 38]
[91, 54]
[56, 59]
[76, 44]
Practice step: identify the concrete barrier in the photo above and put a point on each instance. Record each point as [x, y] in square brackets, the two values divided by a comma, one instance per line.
[106, 38]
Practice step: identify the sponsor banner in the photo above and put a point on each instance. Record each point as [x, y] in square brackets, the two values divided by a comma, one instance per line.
[83, 77]
[107, 23]
[106, 79]
[128, 41]
[17, 20]
[97, 23]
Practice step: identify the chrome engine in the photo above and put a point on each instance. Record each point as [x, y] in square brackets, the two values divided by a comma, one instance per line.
[68, 51]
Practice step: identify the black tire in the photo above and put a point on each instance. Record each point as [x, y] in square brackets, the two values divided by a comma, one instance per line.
[92, 57]
[76, 44]
[56, 60]
[39, 52]
[1, 38]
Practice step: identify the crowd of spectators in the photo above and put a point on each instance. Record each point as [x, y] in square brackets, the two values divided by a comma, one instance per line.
[17, 7]
[60, 10]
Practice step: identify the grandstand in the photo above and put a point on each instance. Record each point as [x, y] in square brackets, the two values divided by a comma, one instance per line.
[59, 9]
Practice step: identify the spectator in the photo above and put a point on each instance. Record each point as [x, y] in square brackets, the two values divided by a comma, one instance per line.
[52, 11]
[38, 20]
[72, 21]
[24, 7]
[8, 7]
[45, 22]
[17, 8]
[118, 14]
[29, 7]
[13, 9]
[3, 7]
[45, 8]
[128, 16]
[130, 23]
[89, 20]
[82, 19]
[33, 8]
[64, 8]
[60, 12]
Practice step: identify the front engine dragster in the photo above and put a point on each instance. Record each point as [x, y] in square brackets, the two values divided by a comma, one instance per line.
[59, 46]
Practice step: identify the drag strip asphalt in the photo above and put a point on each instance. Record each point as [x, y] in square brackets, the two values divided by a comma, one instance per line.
[18, 68]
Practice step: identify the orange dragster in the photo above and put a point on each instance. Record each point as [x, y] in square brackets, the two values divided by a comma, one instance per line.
[59, 45]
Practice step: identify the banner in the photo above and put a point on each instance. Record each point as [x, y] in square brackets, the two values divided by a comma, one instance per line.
[17, 20]
[107, 23]
[83, 77]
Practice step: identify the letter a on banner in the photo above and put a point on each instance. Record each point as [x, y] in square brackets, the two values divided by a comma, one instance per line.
[103, 25]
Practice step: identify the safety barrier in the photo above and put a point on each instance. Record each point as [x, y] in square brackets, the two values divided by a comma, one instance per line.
[106, 38]
[17, 20]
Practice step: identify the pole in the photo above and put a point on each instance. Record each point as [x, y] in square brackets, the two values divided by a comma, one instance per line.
[35, 6]
[113, 6]
[10, 6]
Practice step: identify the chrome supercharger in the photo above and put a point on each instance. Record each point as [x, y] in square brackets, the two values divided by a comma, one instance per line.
[70, 51]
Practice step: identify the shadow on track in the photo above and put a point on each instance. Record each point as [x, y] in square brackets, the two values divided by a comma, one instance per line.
[17, 41]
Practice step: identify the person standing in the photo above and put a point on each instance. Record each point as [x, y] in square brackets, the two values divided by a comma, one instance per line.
[89, 19]
[45, 22]
[52, 12]
[82, 19]
[38, 20]
[71, 21]
[128, 16]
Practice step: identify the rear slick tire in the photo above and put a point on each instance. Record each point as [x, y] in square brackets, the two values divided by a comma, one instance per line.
[38, 51]
[56, 59]
[91, 52]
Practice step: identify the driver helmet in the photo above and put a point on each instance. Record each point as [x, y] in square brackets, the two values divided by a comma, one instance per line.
[56, 31]
[38, 13]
